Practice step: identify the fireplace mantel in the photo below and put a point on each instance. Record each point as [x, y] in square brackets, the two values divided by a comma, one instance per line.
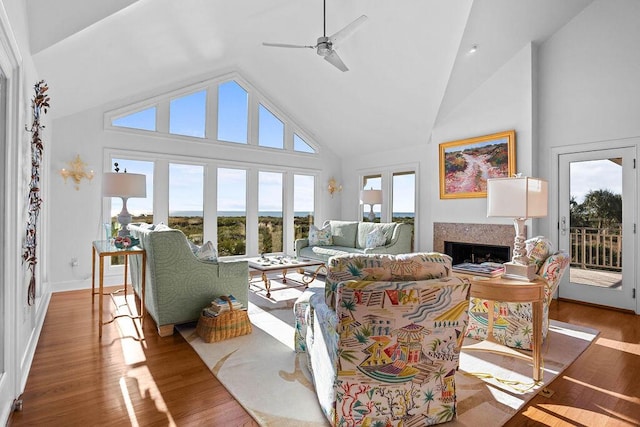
[487, 234]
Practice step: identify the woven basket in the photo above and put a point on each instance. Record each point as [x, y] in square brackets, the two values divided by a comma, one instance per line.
[228, 324]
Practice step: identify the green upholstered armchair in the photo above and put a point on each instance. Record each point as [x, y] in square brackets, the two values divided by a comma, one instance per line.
[178, 284]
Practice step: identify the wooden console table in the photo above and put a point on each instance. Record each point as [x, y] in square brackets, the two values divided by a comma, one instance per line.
[509, 290]
[104, 249]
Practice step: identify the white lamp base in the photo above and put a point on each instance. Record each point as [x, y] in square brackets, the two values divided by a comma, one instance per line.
[519, 271]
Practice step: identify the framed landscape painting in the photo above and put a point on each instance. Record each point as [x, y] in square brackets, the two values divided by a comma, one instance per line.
[465, 165]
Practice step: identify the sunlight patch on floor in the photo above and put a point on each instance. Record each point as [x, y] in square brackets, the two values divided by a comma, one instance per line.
[619, 345]
[583, 335]
[567, 415]
[280, 329]
[144, 388]
[603, 390]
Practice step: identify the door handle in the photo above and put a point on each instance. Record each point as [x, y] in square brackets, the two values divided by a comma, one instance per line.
[563, 225]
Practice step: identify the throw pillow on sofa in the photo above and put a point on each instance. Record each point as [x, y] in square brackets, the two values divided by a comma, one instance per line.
[207, 252]
[376, 238]
[320, 236]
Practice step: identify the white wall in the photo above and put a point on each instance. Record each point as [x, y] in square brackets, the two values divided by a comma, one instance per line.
[503, 102]
[589, 79]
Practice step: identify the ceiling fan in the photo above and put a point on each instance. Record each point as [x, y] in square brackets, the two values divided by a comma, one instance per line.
[325, 45]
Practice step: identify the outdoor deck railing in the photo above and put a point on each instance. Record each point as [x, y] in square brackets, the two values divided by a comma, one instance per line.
[599, 248]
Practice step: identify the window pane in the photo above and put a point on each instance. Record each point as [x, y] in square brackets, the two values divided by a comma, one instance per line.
[232, 212]
[303, 204]
[145, 120]
[300, 144]
[141, 209]
[270, 130]
[404, 198]
[373, 182]
[233, 113]
[187, 115]
[186, 203]
[269, 212]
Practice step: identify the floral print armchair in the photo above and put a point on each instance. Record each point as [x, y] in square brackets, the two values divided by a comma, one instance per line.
[513, 325]
[383, 341]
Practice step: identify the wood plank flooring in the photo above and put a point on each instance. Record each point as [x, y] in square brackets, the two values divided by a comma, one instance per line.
[75, 380]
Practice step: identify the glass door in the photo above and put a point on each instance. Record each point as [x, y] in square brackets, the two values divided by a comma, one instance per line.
[596, 226]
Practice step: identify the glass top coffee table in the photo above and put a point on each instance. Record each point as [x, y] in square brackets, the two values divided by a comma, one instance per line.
[264, 265]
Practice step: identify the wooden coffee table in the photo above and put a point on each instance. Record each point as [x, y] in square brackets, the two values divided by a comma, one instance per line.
[282, 264]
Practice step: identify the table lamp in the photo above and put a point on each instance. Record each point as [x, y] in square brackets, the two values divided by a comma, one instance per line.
[124, 185]
[519, 198]
[371, 197]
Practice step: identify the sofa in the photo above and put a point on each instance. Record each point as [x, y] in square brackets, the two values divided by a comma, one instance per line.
[350, 237]
[513, 322]
[179, 284]
[383, 339]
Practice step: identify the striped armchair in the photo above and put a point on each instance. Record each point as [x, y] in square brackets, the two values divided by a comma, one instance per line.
[383, 342]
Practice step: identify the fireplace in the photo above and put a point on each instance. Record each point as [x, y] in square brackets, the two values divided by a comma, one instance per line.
[486, 240]
[476, 253]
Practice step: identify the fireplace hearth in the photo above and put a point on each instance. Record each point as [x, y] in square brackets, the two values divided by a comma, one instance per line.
[492, 241]
[476, 253]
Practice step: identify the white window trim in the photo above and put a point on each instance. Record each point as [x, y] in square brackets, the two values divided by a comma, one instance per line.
[255, 97]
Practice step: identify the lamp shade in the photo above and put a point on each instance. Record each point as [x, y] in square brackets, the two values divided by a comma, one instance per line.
[518, 197]
[124, 185]
[371, 197]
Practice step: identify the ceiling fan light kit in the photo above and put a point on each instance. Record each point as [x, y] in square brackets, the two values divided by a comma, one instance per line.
[324, 45]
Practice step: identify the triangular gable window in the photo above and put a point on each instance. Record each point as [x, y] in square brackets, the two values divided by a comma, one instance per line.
[233, 112]
[144, 120]
[300, 144]
[270, 129]
[187, 115]
[218, 111]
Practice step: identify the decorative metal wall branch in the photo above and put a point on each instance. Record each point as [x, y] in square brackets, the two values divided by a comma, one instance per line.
[39, 105]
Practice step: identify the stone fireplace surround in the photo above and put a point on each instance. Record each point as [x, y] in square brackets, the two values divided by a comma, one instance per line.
[482, 234]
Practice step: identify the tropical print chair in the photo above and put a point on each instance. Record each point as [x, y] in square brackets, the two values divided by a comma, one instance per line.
[383, 341]
[512, 322]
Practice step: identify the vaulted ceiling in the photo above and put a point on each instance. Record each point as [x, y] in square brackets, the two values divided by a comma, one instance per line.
[409, 63]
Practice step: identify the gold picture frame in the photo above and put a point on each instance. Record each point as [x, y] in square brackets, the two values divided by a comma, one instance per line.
[466, 164]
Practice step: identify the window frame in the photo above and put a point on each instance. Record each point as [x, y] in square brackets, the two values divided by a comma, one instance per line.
[386, 173]
[162, 104]
[211, 165]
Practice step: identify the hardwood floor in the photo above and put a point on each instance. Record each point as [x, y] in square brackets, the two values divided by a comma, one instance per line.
[75, 380]
[602, 387]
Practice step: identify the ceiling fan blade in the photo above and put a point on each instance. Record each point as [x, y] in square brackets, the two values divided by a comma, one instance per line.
[335, 60]
[296, 46]
[348, 30]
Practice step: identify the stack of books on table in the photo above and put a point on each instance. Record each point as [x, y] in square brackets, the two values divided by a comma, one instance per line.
[219, 305]
[487, 269]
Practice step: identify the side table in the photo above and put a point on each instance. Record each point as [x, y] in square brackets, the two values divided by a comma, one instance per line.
[509, 290]
[103, 249]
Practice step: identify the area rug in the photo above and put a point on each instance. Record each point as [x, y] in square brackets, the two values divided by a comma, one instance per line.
[272, 383]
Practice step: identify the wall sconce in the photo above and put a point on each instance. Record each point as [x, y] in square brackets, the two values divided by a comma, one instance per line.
[333, 186]
[77, 171]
